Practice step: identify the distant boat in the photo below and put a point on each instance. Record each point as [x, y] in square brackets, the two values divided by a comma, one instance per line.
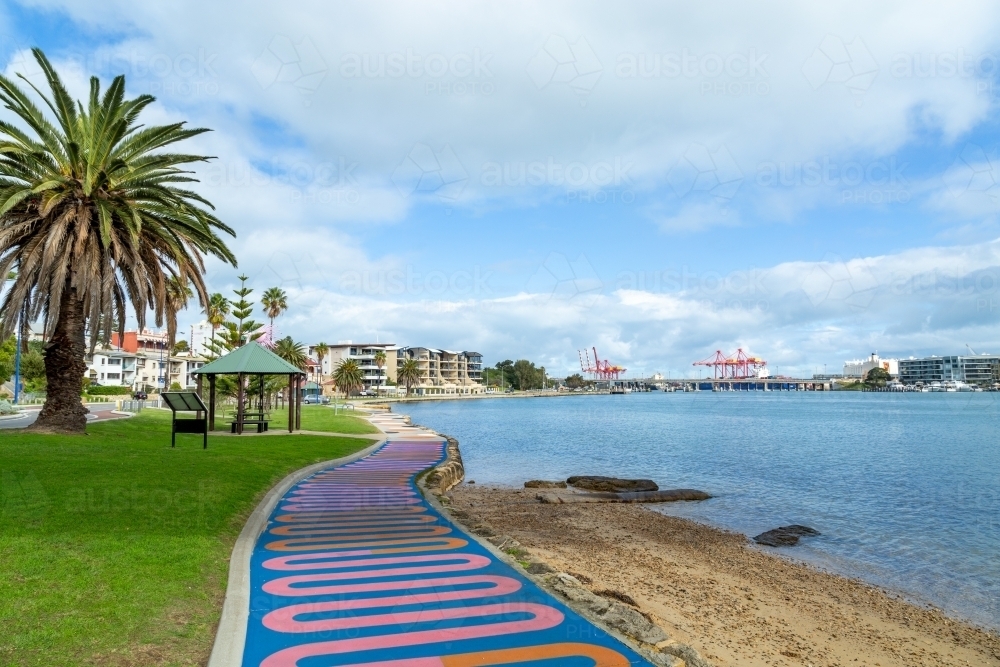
[618, 389]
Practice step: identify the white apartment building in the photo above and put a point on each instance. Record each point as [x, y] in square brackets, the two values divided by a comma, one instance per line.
[364, 354]
[201, 335]
[858, 368]
[138, 370]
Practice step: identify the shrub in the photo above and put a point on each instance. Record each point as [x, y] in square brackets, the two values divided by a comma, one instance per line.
[98, 390]
[6, 408]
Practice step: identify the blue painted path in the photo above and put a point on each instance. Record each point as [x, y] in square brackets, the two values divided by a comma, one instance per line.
[355, 568]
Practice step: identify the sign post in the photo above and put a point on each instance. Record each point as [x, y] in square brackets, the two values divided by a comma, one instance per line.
[187, 401]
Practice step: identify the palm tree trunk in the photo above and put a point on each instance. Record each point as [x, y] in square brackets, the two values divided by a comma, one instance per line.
[171, 334]
[65, 368]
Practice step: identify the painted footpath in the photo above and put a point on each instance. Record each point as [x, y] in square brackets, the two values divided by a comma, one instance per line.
[355, 568]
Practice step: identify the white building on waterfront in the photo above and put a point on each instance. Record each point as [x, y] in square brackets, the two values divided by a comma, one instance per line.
[980, 369]
[858, 368]
[375, 379]
[441, 371]
[444, 371]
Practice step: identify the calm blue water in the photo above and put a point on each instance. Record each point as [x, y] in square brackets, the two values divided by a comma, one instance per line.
[904, 487]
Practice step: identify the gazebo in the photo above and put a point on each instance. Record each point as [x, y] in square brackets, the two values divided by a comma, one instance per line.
[249, 360]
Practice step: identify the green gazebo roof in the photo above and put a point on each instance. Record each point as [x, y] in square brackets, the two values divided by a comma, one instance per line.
[252, 358]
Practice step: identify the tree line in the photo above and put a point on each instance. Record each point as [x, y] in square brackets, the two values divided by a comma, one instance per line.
[520, 375]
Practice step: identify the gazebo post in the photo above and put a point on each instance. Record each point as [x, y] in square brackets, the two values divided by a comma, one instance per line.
[198, 390]
[239, 404]
[211, 402]
[291, 403]
[298, 404]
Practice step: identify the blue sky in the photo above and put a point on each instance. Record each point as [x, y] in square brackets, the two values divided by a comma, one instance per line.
[660, 181]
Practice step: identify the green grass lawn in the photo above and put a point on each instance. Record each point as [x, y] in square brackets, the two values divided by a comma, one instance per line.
[319, 418]
[115, 547]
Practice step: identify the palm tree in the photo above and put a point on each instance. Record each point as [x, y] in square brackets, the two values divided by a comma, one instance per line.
[380, 362]
[292, 352]
[275, 302]
[178, 293]
[321, 351]
[216, 312]
[93, 216]
[409, 373]
[349, 376]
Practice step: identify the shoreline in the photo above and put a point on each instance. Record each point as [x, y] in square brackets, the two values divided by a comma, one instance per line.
[734, 603]
[374, 403]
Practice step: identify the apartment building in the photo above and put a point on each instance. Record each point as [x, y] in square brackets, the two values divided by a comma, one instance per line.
[444, 371]
[140, 359]
[981, 369]
[140, 341]
[139, 370]
[375, 379]
[201, 336]
[111, 367]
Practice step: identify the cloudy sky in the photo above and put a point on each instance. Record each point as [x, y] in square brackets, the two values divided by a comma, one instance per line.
[657, 180]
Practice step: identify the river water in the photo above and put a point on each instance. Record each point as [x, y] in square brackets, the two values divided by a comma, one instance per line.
[905, 488]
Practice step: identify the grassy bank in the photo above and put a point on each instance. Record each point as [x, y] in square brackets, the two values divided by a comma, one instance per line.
[115, 547]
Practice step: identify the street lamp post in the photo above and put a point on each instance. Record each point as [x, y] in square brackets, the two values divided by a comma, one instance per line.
[17, 360]
[17, 351]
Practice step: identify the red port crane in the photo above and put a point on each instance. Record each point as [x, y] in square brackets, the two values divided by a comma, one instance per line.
[739, 365]
[601, 370]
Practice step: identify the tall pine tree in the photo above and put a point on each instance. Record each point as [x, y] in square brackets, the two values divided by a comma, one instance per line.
[240, 329]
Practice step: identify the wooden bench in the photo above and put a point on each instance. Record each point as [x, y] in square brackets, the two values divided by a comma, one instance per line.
[261, 425]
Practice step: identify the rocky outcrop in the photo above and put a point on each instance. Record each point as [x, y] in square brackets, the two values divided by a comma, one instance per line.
[614, 610]
[668, 496]
[442, 478]
[785, 536]
[504, 542]
[654, 643]
[543, 484]
[611, 484]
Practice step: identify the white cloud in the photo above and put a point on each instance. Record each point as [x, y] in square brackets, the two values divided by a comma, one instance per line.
[391, 79]
[315, 107]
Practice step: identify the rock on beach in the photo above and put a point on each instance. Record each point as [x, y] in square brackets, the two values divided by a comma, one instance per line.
[785, 536]
[611, 484]
[543, 484]
[672, 495]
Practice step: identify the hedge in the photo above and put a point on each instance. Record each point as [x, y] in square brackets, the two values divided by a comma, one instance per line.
[98, 390]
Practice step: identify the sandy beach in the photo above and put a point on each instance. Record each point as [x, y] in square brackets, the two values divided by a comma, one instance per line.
[734, 603]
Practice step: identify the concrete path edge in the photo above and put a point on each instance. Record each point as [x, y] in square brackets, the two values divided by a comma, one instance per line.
[230, 636]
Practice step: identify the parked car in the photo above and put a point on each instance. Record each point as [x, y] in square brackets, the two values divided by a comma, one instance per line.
[312, 399]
